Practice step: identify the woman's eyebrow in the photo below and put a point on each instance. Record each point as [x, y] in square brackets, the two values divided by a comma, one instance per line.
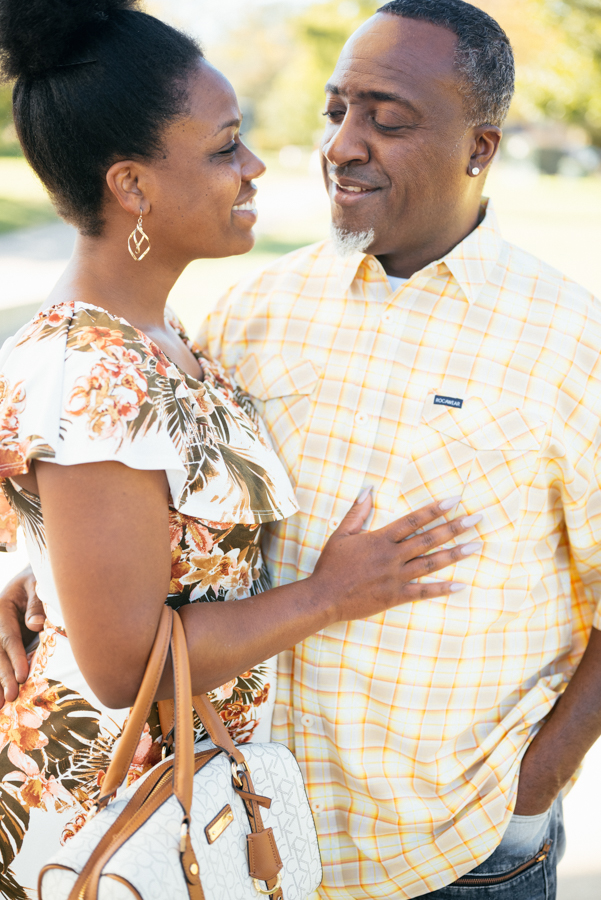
[233, 123]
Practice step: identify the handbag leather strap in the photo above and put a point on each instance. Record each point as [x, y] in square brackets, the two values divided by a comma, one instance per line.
[264, 860]
[127, 746]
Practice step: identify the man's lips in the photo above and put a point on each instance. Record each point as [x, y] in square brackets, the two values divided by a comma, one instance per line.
[347, 189]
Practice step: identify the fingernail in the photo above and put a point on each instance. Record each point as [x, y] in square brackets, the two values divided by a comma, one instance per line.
[449, 503]
[468, 549]
[468, 521]
[364, 494]
[457, 586]
[36, 620]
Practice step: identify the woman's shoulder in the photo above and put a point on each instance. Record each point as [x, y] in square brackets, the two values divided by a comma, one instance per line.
[81, 385]
[74, 383]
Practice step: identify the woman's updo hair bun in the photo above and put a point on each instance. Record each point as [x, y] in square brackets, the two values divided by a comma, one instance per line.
[36, 36]
[95, 81]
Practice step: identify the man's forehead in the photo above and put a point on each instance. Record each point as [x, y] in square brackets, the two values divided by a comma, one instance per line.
[389, 52]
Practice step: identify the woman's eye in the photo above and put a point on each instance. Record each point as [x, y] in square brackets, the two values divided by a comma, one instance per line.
[229, 150]
[333, 114]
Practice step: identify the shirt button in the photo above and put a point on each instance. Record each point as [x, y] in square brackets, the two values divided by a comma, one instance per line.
[373, 265]
[307, 720]
[388, 317]
[318, 807]
[361, 418]
[334, 523]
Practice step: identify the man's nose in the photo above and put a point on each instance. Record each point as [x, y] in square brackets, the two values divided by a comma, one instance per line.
[346, 145]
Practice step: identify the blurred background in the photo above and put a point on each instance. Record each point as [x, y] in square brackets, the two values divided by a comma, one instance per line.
[546, 186]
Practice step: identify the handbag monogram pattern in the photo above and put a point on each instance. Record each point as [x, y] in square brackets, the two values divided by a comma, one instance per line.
[232, 838]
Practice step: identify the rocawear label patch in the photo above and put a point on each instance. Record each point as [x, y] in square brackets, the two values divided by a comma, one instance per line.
[448, 401]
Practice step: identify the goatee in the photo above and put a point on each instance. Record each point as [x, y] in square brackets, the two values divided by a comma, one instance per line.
[348, 242]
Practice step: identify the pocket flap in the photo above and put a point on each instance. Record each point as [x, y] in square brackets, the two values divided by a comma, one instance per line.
[493, 426]
[276, 376]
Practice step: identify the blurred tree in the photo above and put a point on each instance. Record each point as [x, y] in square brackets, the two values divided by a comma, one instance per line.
[290, 113]
[558, 51]
[252, 56]
[568, 83]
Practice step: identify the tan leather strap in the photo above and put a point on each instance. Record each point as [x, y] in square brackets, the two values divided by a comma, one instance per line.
[258, 846]
[245, 795]
[216, 729]
[183, 770]
[138, 716]
[166, 716]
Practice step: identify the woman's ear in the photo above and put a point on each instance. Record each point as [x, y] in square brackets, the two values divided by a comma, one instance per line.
[125, 181]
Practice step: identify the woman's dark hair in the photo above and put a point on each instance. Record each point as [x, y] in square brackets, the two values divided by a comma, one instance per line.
[96, 81]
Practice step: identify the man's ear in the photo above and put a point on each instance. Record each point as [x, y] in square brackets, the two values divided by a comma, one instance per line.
[125, 180]
[486, 141]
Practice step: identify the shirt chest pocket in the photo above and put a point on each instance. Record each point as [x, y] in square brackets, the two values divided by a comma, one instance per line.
[484, 452]
[281, 389]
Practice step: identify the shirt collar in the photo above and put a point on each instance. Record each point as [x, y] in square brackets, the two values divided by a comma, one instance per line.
[470, 262]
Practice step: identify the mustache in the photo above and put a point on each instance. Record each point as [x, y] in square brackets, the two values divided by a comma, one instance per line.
[354, 173]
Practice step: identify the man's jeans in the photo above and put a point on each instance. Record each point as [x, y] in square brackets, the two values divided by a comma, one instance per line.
[523, 867]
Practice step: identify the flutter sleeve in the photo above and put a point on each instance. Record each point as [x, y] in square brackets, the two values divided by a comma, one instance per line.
[82, 386]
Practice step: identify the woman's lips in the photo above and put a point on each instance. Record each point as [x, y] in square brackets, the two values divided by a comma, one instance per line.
[248, 209]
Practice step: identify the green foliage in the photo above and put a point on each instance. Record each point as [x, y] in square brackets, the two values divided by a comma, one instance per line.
[560, 77]
[9, 145]
[290, 114]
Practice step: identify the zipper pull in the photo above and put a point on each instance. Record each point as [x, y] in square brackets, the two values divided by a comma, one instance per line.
[544, 852]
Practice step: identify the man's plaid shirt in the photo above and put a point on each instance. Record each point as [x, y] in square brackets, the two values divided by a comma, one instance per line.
[409, 727]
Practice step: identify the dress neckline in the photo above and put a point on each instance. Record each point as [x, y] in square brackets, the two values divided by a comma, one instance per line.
[151, 345]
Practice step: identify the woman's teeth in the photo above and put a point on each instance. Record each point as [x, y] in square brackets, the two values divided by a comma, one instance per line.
[354, 190]
[250, 205]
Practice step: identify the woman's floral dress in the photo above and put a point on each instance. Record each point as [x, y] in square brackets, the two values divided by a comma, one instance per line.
[79, 385]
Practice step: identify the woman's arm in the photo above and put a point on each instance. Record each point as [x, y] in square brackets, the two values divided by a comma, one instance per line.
[107, 533]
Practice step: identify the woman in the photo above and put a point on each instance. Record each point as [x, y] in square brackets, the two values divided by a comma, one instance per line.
[141, 475]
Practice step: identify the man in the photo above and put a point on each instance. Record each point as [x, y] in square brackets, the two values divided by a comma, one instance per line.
[419, 354]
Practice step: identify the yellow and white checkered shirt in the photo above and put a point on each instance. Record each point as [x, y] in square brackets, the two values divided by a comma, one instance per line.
[480, 377]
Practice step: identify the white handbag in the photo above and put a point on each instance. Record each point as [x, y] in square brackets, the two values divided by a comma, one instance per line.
[199, 825]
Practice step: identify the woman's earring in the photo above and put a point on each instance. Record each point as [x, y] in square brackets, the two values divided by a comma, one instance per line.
[136, 240]
[475, 171]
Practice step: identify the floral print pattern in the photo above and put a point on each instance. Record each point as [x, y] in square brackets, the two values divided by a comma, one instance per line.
[120, 397]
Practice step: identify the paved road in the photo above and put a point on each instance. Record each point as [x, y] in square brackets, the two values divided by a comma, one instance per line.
[31, 261]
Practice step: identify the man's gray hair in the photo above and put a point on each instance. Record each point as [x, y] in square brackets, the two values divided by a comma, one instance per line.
[484, 58]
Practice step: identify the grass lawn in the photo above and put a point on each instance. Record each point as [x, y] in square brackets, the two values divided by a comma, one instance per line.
[24, 214]
[23, 201]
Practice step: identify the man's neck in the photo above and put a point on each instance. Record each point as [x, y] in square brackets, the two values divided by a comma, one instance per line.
[406, 260]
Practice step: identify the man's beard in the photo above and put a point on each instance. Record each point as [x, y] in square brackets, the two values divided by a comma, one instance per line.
[348, 242]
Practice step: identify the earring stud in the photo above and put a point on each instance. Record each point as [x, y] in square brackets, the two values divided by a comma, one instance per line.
[135, 241]
[475, 170]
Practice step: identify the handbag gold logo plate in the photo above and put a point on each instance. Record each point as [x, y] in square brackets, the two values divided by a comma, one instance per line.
[216, 828]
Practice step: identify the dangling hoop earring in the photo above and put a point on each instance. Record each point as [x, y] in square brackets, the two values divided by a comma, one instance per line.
[136, 240]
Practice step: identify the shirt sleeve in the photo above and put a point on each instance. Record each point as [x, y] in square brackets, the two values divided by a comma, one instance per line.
[573, 467]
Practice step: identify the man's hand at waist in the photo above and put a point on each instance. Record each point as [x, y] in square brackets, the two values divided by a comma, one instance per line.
[566, 737]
